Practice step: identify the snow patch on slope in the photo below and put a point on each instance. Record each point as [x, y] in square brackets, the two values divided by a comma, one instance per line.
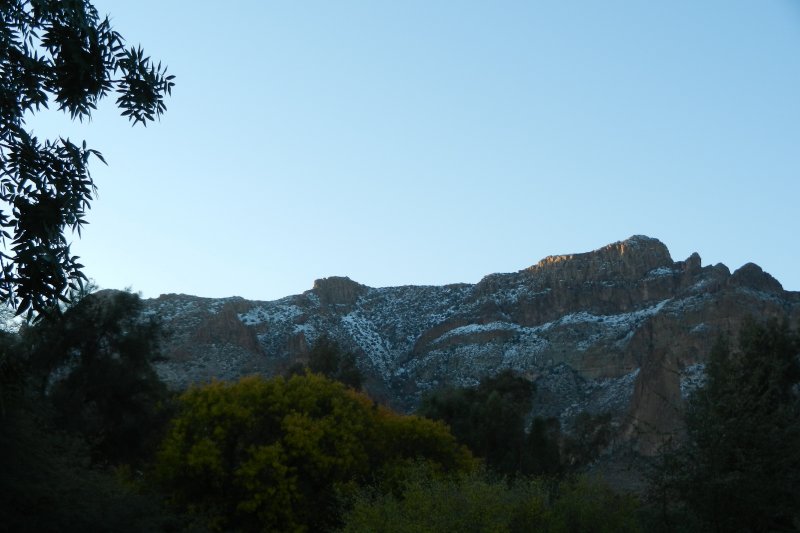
[272, 312]
[620, 320]
[480, 328]
[362, 330]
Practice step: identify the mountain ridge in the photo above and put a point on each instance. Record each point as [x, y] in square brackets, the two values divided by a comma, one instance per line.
[623, 330]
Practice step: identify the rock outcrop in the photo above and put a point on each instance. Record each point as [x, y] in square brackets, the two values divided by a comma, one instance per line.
[623, 330]
[338, 291]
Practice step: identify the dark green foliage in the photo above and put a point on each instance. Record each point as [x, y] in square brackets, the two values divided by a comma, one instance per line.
[47, 480]
[490, 420]
[94, 366]
[330, 360]
[542, 455]
[49, 484]
[581, 505]
[739, 467]
[63, 53]
[479, 502]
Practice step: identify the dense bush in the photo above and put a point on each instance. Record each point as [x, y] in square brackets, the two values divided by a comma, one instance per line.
[264, 455]
[477, 502]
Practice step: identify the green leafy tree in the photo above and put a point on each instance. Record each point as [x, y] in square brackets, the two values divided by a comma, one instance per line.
[739, 467]
[48, 481]
[542, 454]
[94, 364]
[60, 53]
[490, 420]
[275, 455]
[329, 359]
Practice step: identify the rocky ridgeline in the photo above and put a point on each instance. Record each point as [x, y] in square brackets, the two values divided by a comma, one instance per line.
[623, 330]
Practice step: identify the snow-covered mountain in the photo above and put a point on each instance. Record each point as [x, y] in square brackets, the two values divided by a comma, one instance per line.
[623, 329]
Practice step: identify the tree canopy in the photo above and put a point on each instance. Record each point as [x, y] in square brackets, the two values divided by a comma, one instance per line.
[328, 358]
[93, 364]
[62, 53]
[739, 467]
[490, 419]
[77, 395]
[272, 455]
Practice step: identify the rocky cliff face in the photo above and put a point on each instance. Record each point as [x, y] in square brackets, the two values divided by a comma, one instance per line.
[623, 329]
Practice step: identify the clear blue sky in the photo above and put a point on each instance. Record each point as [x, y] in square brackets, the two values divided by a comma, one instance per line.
[432, 142]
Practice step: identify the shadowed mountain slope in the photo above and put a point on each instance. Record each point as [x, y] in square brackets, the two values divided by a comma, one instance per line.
[623, 329]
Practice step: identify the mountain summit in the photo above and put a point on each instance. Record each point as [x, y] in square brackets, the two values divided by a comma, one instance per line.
[623, 330]
[631, 258]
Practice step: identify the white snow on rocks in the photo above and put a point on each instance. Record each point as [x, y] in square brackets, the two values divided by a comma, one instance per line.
[271, 312]
[660, 272]
[362, 330]
[621, 320]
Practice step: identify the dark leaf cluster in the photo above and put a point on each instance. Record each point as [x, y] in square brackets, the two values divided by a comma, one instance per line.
[490, 419]
[63, 53]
